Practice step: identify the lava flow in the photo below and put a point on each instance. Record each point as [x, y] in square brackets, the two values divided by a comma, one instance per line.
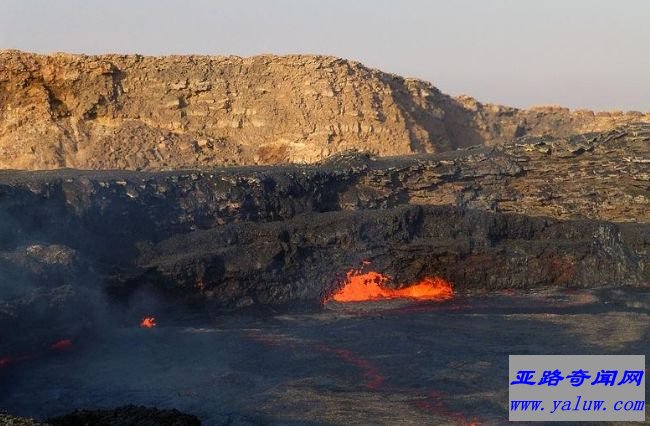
[148, 322]
[62, 345]
[59, 346]
[368, 286]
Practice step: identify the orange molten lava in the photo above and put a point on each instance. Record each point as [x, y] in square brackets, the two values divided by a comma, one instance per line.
[365, 286]
[148, 322]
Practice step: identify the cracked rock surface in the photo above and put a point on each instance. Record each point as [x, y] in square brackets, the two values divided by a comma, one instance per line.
[537, 212]
[150, 113]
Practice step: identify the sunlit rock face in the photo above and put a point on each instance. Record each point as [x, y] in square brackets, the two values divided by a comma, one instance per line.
[150, 113]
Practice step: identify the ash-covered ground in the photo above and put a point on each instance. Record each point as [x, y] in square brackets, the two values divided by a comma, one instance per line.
[391, 362]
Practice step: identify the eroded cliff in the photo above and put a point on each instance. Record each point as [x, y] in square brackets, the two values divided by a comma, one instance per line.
[513, 216]
[150, 113]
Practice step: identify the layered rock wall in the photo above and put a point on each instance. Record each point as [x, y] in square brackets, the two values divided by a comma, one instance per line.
[150, 113]
[542, 211]
[496, 210]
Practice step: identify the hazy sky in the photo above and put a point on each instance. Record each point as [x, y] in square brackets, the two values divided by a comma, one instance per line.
[578, 53]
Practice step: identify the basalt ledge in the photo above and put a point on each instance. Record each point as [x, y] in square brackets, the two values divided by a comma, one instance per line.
[539, 211]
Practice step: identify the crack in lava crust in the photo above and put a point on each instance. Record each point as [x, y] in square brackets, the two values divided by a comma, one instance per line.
[371, 373]
[62, 345]
[374, 381]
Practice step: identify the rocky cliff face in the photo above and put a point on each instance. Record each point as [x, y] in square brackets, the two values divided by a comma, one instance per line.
[150, 113]
[543, 197]
[541, 211]
[60, 222]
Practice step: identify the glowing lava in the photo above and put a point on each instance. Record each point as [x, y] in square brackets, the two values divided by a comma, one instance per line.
[364, 286]
[59, 346]
[148, 322]
[62, 345]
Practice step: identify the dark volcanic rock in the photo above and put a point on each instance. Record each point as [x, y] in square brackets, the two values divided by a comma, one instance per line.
[49, 292]
[9, 420]
[540, 211]
[129, 415]
[306, 257]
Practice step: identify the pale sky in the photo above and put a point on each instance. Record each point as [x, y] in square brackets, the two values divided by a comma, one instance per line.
[578, 53]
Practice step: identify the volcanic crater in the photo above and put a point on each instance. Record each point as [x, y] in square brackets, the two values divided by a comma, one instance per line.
[356, 286]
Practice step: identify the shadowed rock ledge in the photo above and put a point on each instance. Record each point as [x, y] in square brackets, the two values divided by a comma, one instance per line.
[129, 415]
[540, 211]
[494, 217]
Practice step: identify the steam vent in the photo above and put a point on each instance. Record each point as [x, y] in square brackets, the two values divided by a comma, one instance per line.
[301, 240]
